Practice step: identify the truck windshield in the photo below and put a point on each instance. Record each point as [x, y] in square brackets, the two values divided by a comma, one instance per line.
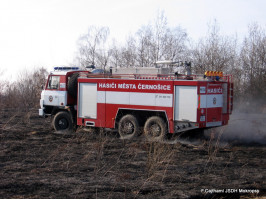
[53, 82]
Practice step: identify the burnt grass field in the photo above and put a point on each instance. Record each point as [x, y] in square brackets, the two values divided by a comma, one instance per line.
[37, 162]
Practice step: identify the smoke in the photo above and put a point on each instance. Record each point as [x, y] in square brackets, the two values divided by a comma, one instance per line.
[244, 128]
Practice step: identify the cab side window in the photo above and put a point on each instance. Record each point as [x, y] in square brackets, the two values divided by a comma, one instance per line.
[53, 83]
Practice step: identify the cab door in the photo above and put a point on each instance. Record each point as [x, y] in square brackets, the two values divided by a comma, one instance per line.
[55, 93]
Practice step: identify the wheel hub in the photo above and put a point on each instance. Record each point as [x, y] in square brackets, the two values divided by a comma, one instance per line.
[128, 128]
[63, 123]
[155, 130]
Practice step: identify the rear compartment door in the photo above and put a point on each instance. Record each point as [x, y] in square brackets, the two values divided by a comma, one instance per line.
[214, 104]
[186, 103]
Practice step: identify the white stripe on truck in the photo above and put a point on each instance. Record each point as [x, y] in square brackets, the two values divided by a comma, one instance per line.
[135, 98]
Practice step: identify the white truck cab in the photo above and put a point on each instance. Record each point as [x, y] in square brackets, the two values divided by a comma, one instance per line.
[58, 92]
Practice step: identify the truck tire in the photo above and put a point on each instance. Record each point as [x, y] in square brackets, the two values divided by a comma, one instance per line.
[72, 85]
[155, 129]
[128, 127]
[62, 121]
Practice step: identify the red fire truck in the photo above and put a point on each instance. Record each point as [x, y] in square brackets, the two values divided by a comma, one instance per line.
[134, 103]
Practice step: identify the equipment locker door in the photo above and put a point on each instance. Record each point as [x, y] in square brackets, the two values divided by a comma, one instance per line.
[87, 104]
[185, 103]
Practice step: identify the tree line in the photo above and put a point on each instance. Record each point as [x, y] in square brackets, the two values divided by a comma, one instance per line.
[156, 41]
[25, 92]
[245, 60]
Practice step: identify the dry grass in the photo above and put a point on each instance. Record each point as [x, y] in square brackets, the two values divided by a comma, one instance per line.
[159, 156]
[37, 162]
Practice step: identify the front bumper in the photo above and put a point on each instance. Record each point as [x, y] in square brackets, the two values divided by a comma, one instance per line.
[41, 112]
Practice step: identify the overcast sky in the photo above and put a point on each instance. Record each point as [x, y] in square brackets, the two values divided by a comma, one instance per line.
[36, 33]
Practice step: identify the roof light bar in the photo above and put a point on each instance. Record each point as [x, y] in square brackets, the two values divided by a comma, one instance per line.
[214, 73]
[65, 68]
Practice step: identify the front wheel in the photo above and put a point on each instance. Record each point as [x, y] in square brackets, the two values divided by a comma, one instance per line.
[62, 121]
[128, 127]
[155, 128]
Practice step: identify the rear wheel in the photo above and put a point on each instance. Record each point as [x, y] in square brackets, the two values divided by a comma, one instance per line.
[62, 121]
[128, 127]
[155, 128]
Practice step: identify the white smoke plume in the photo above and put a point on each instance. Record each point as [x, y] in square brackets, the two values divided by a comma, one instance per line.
[244, 127]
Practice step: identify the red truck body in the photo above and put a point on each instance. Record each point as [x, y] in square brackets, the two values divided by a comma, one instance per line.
[189, 103]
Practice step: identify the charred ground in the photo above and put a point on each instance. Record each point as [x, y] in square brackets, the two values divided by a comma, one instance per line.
[36, 162]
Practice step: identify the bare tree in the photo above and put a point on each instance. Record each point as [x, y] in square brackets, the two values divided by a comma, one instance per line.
[145, 46]
[3, 85]
[115, 55]
[253, 62]
[128, 57]
[214, 52]
[25, 92]
[91, 47]
[160, 30]
[159, 42]
[151, 43]
[174, 44]
[29, 86]
[2, 82]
